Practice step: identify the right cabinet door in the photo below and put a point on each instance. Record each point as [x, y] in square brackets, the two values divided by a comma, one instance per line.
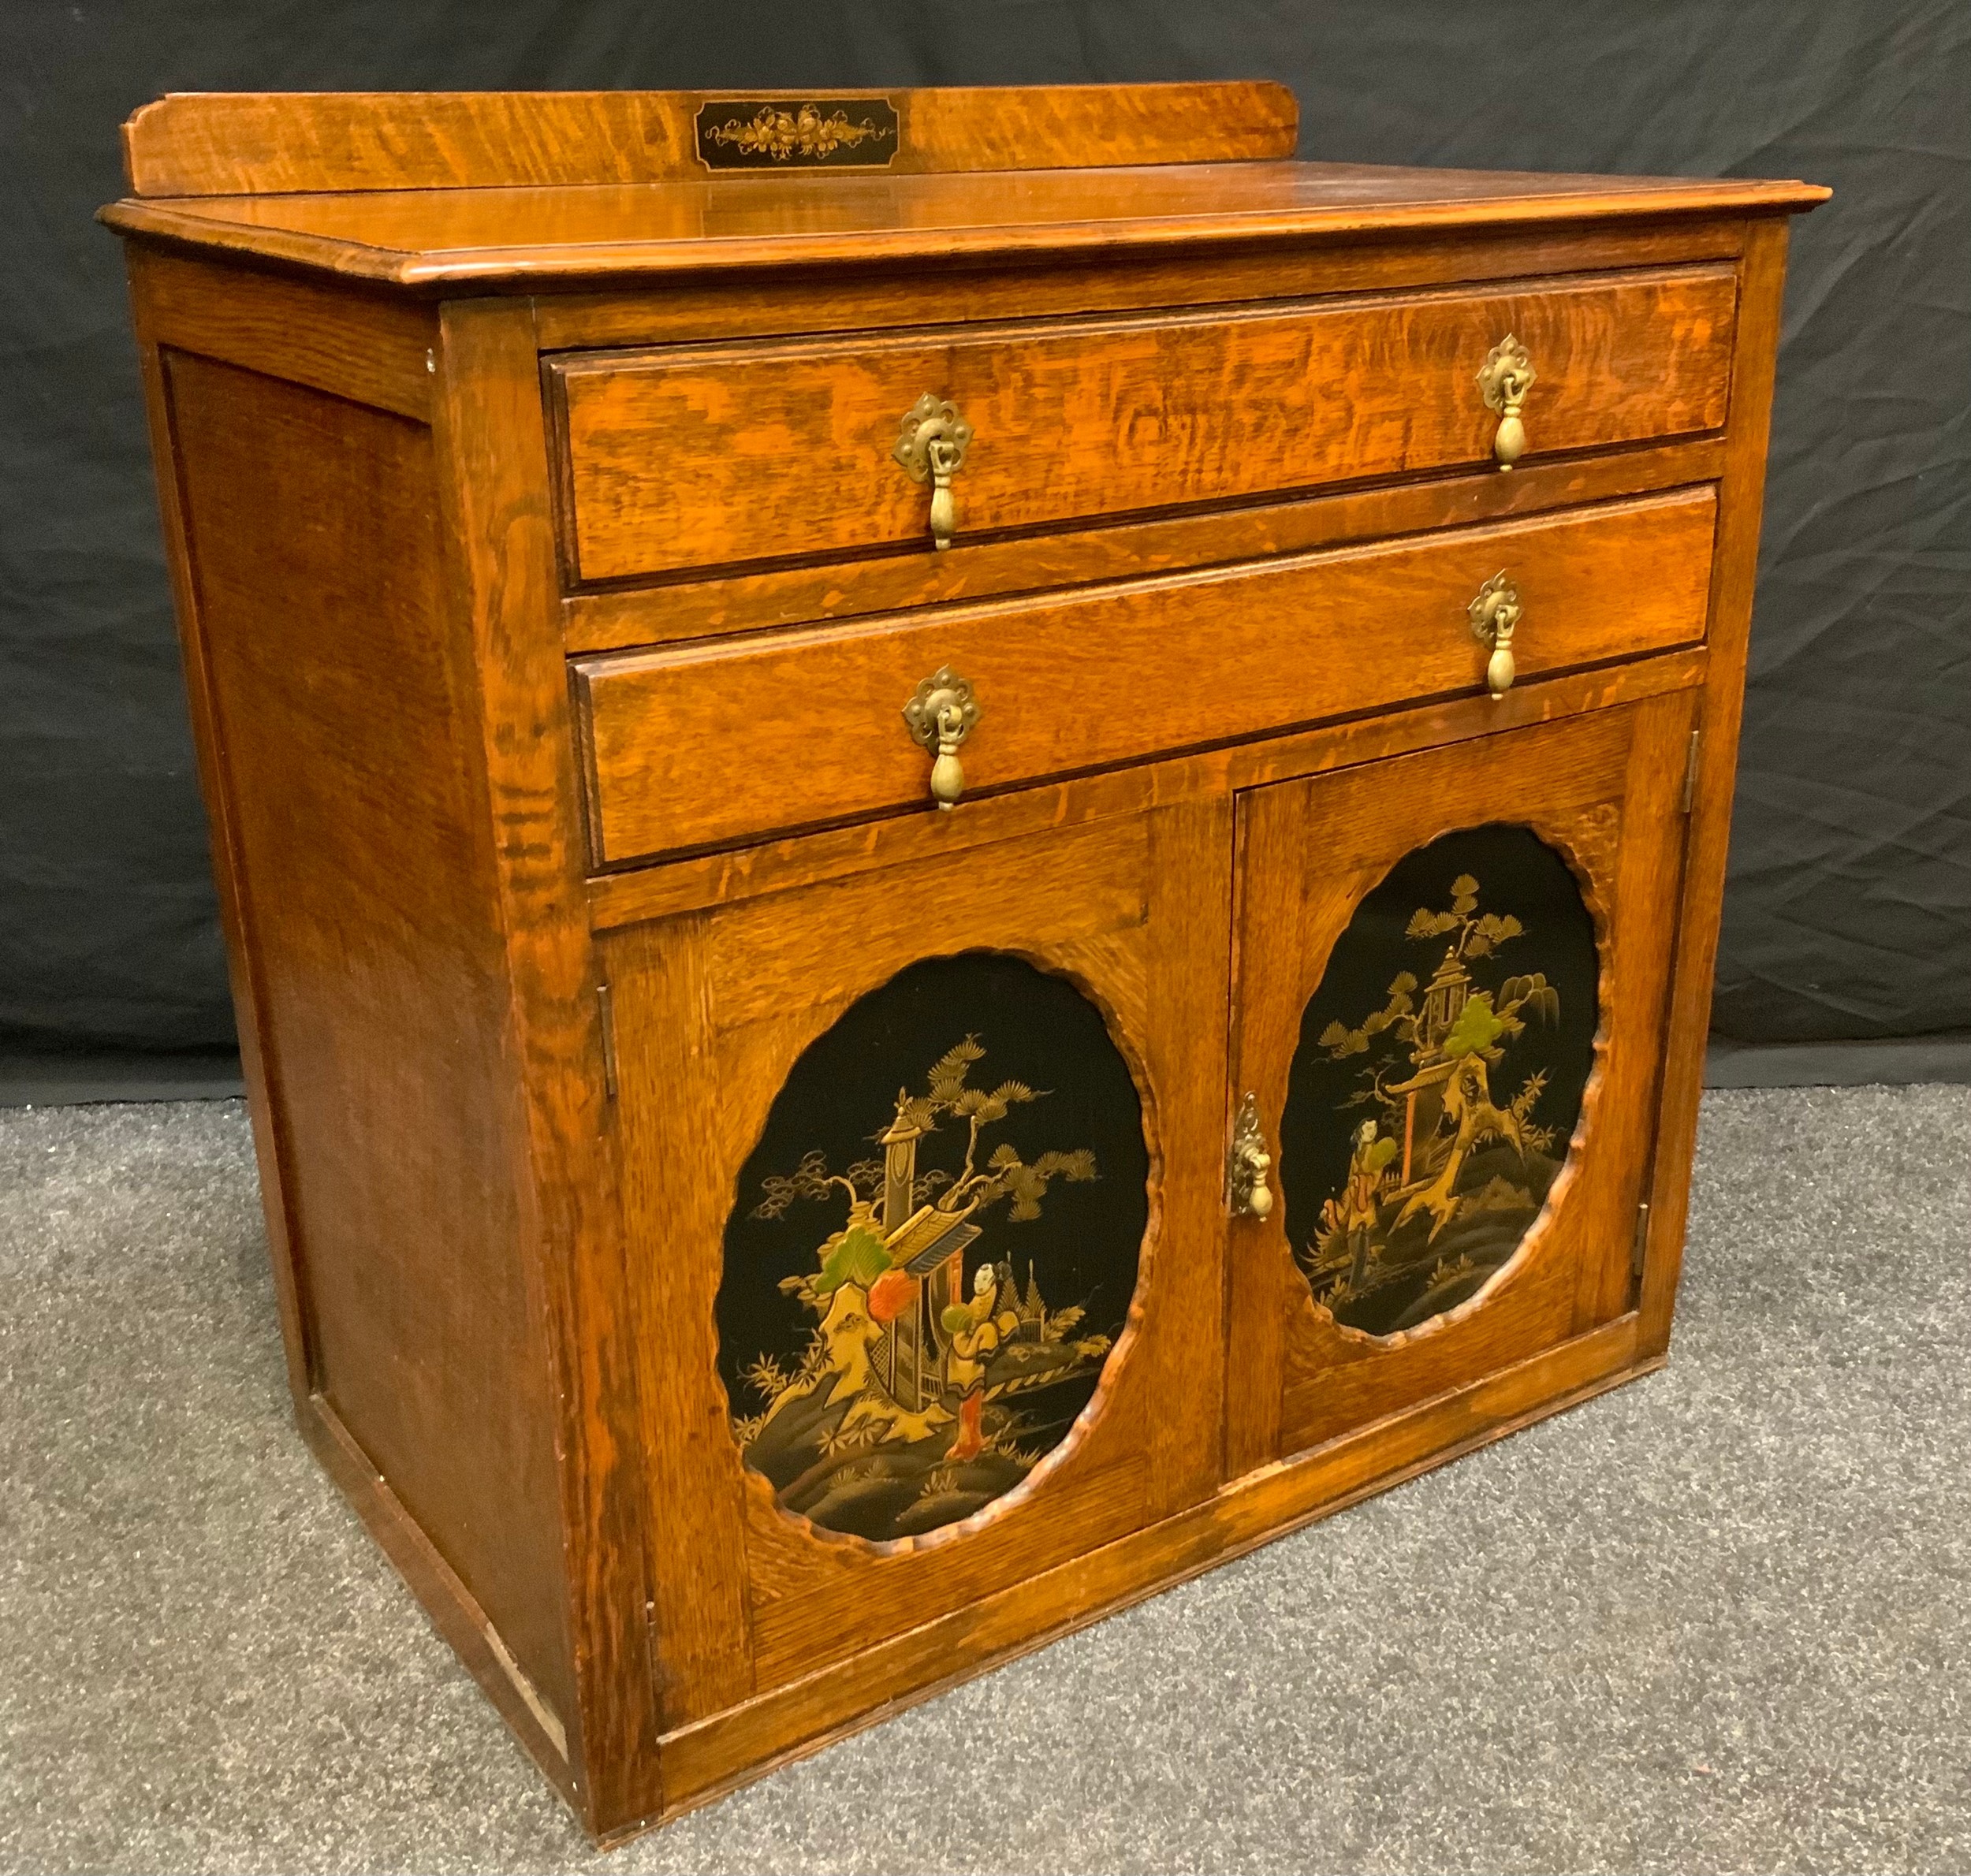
[1450, 999]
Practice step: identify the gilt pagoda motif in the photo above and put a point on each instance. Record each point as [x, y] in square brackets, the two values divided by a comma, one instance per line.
[931, 1377]
[1464, 1087]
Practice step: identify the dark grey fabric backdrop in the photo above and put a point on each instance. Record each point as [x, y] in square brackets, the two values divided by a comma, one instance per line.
[1850, 909]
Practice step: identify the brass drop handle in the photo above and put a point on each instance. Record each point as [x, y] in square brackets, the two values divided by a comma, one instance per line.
[1493, 614]
[1503, 380]
[931, 448]
[1248, 1164]
[940, 714]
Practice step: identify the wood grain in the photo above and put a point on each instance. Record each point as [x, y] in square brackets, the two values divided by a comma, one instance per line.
[1603, 790]
[627, 618]
[703, 458]
[343, 711]
[245, 976]
[1085, 679]
[276, 143]
[1642, 921]
[500, 563]
[712, 1012]
[673, 1201]
[1734, 574]
[529, 237]
[936, 840]
[452, 1610]
[360, 345]
[792, 300]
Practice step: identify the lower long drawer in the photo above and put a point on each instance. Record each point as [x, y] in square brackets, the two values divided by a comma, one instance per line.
[711, 744]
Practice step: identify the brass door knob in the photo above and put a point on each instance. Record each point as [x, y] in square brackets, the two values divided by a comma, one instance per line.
[940, 714]
[932, 448]
[1503, 380]
[1493, 613]
[1248, 1165]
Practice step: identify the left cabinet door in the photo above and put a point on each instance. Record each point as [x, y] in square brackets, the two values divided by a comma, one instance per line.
[920, 1148]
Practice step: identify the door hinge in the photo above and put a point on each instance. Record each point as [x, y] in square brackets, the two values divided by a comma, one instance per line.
[605, 1009]
[1691, 771]
[1640, 1248]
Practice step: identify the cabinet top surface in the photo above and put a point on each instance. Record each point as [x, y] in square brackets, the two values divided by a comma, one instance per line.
[425, 190]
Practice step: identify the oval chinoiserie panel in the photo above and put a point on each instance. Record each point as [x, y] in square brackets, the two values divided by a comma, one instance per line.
[1439, 1077]
[933, 1247]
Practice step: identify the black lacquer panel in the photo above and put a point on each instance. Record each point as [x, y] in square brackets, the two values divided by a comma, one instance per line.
[1439, 1077]
[821, 133]
[933, 1247]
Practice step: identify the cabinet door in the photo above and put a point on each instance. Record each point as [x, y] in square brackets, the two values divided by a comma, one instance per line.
[921, 1171]
[1450, 997]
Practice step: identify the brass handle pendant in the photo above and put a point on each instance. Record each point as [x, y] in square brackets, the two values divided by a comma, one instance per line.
[1503, 380]
[1493, 614]
[932, 448]
[941, 716]
[1247, 1165]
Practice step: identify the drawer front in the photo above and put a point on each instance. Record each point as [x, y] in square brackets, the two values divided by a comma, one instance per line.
[701, 457]
[712, 745]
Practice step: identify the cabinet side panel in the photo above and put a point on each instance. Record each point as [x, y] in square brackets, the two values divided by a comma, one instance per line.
[1734, 574]
[343, 722]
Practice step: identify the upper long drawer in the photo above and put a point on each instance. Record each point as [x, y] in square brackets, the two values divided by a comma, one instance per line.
[737, 740]
[700, 456]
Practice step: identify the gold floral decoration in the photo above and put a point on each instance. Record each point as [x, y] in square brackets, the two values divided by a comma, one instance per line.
[782, 135]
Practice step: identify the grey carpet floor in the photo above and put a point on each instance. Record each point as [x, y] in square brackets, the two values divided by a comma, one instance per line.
[1720, 1620]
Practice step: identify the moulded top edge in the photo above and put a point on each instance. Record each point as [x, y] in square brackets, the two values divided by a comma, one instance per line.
[537, 236]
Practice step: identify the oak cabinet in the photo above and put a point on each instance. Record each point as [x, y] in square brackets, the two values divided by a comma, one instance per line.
[971, 840]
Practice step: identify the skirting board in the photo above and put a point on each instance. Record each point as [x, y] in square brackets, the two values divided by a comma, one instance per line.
[1945, 1057]
[36, 1078]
